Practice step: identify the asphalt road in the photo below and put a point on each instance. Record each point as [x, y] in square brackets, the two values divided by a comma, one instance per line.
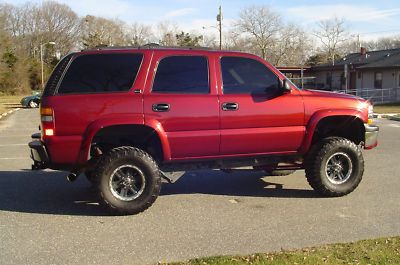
[46, 220]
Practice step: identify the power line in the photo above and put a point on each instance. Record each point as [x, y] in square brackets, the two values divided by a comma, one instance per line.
[382, 31]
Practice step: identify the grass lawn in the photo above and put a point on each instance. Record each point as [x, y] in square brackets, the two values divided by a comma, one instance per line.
[387, 108]
[9, 102]
[375, 251]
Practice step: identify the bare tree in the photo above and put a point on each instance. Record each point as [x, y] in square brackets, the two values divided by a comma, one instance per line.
[138, 34]
[383, 43]
[236, 41]
[291, 48]
[58, 23]
[98, 31]
[261, 24]
[167, 33]
[332, 33]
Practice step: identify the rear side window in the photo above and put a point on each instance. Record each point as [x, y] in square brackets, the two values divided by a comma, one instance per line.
[182, 74]
[97, 73]
[247, 76]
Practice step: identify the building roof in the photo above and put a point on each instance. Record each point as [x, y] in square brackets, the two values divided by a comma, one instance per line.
[371, 59]
[390, 60]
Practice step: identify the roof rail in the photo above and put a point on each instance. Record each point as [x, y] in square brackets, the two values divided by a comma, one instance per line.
[146, 46]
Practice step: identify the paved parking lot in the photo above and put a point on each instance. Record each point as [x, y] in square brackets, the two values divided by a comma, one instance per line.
[46, 220]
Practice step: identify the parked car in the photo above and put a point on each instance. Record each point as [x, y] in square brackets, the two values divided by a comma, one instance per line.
[127, 118]
[31, 101]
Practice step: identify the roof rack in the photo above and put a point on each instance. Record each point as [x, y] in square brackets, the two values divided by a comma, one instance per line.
[146, 46]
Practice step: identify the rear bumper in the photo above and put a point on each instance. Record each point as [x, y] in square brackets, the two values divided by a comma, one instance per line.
[371, 136]
[39, 155]
[57, 152]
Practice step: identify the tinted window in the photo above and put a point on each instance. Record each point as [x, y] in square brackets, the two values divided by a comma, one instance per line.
[247, 76]
[96, 73]
[182, 74]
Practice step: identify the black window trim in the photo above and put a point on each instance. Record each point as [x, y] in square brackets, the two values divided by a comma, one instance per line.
[55, 92]
[102, 92]
[177, 93]
[243, 57]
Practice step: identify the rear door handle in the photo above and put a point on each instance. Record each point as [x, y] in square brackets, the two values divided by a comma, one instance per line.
[161, 107]
[230, 106]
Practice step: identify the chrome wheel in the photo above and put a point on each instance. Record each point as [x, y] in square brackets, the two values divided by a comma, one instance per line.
[338, 168]
[127, 182]
[33, 104]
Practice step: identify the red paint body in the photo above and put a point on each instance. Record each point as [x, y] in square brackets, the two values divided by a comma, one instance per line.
[195, 127]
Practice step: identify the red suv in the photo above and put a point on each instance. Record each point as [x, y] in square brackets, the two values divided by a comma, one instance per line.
[127, 117]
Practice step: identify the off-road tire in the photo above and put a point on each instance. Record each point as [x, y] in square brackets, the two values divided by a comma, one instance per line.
[316, 163]
[134, 157]
[91, 177]
[91, 172]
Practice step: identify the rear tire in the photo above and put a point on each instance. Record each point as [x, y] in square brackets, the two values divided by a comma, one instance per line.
[334, 167]
[129, 180]
[33, 104]
[91, 177]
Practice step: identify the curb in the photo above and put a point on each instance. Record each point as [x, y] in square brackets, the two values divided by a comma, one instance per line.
[5, 114]
[386, 115]
[394, 118]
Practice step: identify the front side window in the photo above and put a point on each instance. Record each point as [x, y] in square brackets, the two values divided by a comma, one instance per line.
[378, 80]
[183, 75]
[99, 73]
[247, 76]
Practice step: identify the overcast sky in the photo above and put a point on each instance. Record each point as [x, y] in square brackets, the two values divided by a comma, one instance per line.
[365, 17]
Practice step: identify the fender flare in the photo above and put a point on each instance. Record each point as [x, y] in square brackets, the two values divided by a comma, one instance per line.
[124, 119]
[321, 114]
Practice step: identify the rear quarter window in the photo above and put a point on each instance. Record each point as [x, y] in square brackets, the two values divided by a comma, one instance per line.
[101, 73]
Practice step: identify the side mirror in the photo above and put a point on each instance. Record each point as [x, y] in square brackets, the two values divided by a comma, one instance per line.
[285, 85]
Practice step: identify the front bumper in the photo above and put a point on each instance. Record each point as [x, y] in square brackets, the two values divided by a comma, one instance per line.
[39, 154]
[371, 136]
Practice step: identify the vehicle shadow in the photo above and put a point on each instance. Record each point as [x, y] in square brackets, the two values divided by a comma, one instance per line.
[238, 183]
[47, 192]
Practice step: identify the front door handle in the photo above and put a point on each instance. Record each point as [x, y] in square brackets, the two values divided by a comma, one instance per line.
[230, 106]
[161, 107]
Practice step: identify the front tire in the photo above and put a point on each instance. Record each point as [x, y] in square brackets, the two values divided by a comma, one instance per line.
[129, 180]
[334, 167]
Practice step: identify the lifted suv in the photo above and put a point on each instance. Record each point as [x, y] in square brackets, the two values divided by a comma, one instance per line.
[129, 117]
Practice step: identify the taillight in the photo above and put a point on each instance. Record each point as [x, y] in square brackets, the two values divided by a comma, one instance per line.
[46, 114]
[47, 118]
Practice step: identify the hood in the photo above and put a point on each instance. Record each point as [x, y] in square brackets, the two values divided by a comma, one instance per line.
[334, 94]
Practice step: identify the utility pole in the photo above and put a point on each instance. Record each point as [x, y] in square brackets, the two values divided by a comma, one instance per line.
[41, 59]
[219, 19]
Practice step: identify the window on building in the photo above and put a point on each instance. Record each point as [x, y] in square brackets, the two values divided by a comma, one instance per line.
[329, 80]
[342, 80]
[97, 73]
[182, 74]
[378, 80]
[398, 79]
[247, 76]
